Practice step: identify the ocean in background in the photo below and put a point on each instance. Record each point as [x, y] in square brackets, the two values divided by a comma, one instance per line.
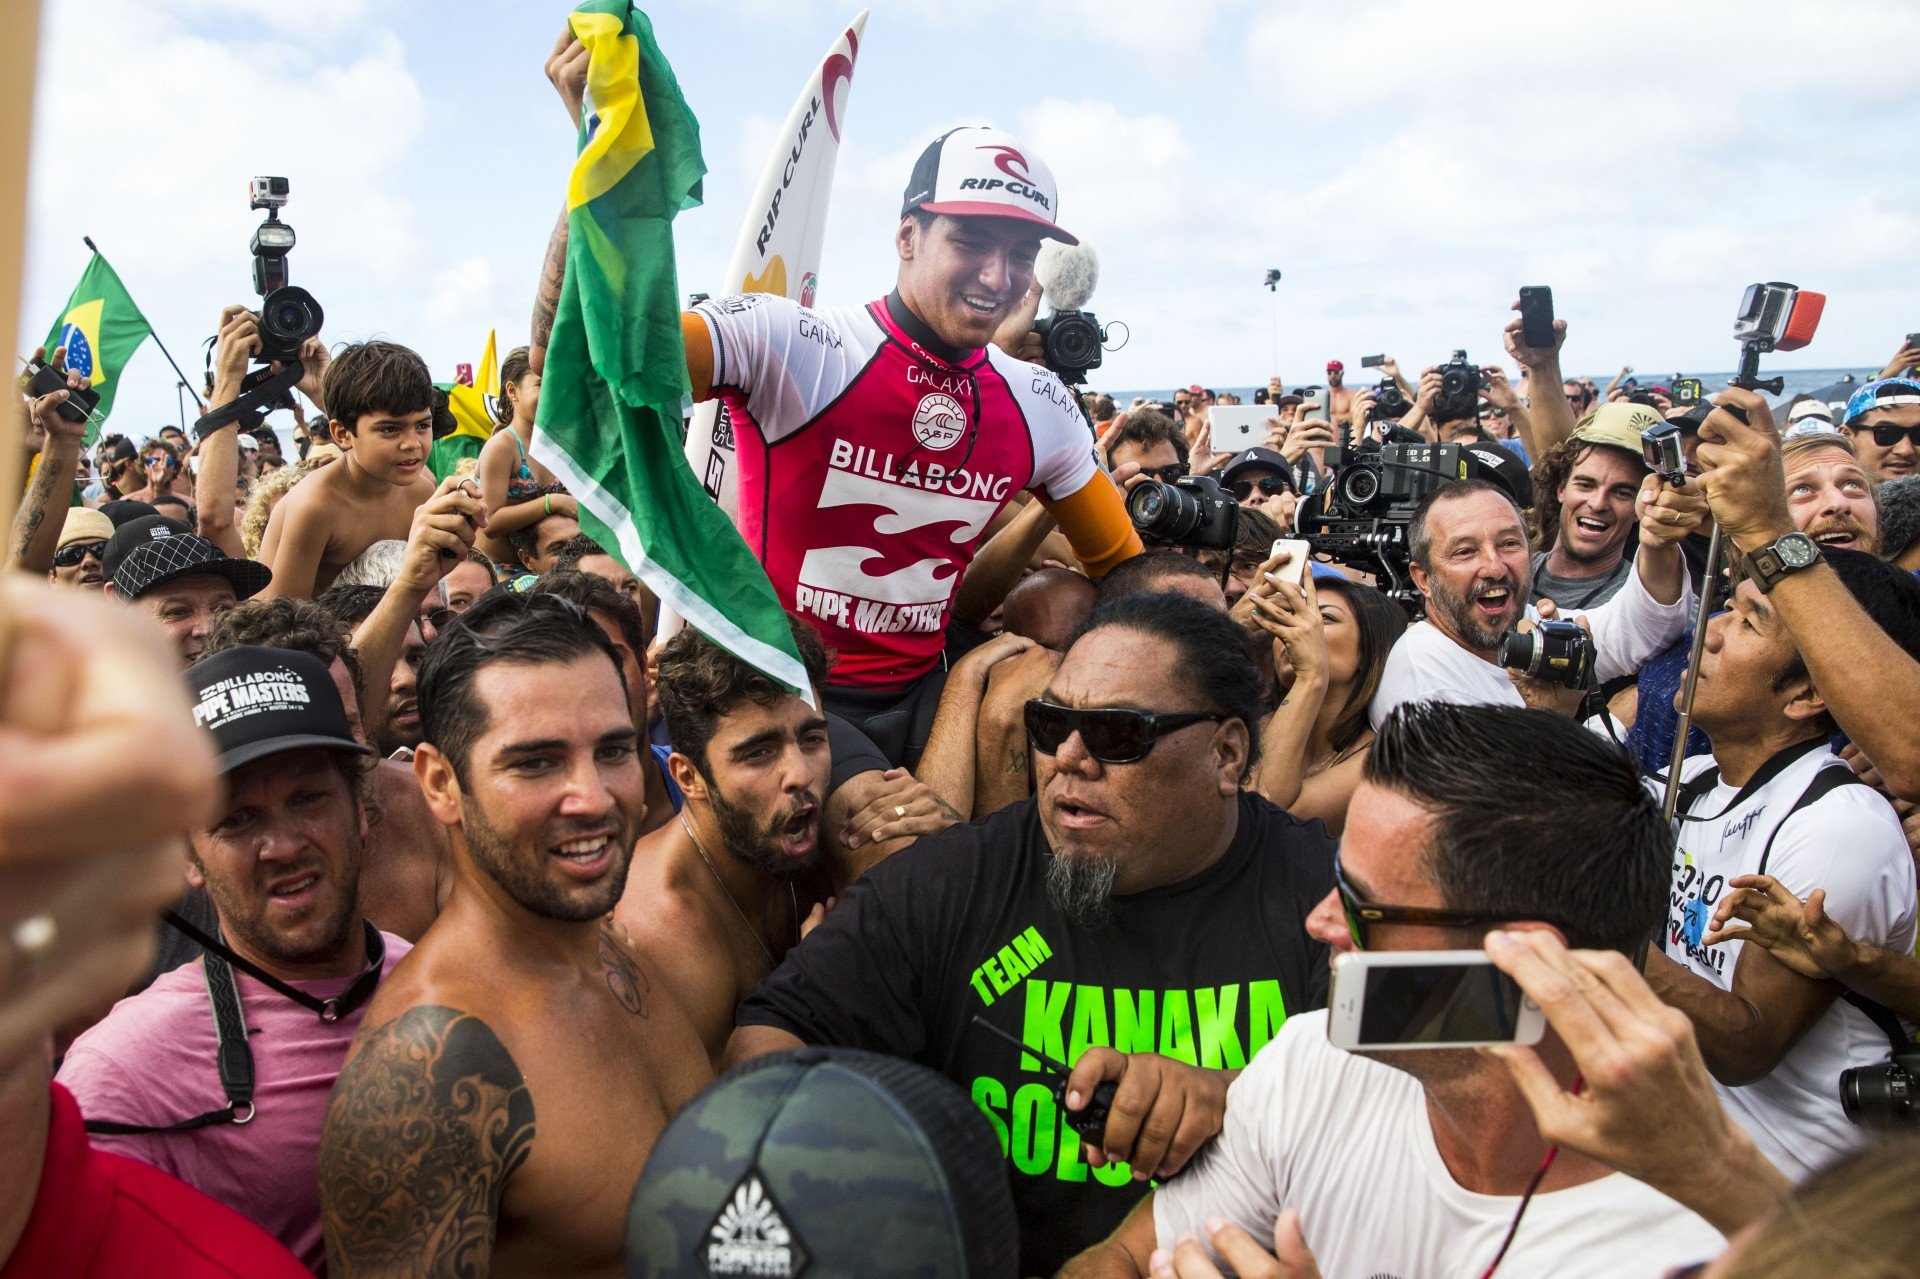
[1794, 382]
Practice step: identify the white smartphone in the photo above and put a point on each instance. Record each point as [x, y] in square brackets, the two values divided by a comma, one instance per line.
[1428, 999]
[1239, 426]
[1313, 405]
[1294, 570]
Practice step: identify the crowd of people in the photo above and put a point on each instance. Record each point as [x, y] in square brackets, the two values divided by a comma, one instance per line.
[472, 872]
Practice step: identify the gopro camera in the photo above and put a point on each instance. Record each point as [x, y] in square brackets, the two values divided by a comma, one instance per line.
[288, 315]
[1665, 457]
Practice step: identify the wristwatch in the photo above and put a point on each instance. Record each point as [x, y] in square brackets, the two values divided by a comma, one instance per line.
[1786, 554]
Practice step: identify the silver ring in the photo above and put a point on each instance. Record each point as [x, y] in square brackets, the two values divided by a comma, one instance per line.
[33, 939]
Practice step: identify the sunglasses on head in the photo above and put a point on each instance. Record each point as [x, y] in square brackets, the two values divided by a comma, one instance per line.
[1268, 484]
[1888, 434]
[1112, 735]
[70, 555]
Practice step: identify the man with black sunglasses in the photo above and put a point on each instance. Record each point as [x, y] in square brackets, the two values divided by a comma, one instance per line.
[82, 548]
[1420, 1161]
[1261, 479]
[1884, 420]
[1150, 440]
[1142, 919]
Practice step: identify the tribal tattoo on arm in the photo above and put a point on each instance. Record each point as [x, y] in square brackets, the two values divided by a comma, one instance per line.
[428, 1122]
[546, 303]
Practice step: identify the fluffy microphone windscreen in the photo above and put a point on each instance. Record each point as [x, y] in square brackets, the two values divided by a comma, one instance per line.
[1067, 273]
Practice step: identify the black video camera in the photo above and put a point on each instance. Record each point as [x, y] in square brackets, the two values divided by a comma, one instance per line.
[1459, 389]
[1072, 341]
[1687, 391]
[1882, 1096]
[1556, 651]
[1192, 511]
[288, 315]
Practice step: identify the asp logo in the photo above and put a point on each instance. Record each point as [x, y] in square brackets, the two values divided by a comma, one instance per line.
[1009, 162]
[939, 420]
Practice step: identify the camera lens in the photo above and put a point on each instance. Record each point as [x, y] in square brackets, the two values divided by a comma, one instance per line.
[1359, 486]
[1877, 1096]
[1519, 651]
[289, 317]
[1163, 512]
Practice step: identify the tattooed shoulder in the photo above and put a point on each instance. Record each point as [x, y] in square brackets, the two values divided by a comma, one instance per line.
[624, 977]
[427, 1123]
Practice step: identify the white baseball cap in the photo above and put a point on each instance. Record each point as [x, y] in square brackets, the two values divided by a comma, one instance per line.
[984, 173]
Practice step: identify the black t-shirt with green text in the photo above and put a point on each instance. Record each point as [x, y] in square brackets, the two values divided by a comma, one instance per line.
[1202, 971]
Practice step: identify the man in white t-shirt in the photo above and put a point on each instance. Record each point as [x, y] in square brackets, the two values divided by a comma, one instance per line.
[1472, 564]
[1773, 799]
[1412, 1164]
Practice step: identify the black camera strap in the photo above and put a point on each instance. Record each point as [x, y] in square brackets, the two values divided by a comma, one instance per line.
[234, 1058]
[251, 407]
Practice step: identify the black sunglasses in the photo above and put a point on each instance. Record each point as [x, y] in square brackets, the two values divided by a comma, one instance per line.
[1268, 484]
[1362, 915]
[1888, 434]
[1165, 474]
[70, 555]
[1112, 735]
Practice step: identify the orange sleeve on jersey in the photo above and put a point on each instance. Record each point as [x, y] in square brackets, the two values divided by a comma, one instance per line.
[1095, 521]
[699, 344]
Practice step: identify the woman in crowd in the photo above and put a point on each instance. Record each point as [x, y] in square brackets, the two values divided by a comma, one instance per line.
[1330, 644]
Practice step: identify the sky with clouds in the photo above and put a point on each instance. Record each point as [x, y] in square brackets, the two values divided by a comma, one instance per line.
[1407, 164]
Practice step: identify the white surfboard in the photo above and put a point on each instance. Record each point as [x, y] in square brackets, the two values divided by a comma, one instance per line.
[778, 250]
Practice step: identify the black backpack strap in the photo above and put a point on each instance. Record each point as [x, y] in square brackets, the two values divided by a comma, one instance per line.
[1700, 784]
[1824, 783]
[1884, 1017]
[235, 1061]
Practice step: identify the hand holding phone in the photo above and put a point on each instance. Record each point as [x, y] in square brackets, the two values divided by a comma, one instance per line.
[1427, 999]
[1536, 316]
[1299, 556]
[44, 379]
[1372, 361]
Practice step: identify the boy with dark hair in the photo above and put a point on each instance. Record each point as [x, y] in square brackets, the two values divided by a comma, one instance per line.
[379, 399]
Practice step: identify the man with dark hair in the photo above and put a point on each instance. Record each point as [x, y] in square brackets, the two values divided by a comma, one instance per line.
[395, 730]
[722, 893]
[1151, 440]
[1415, 1162]
[1884, 419]
[1140, 900]
[379, 399]
[1773, 799]
[408, 856]
[615, 614]
[1468, 544]
[1588, 491]
[281, 862]
[523, 1060]
[589, 556]
[538, 545]
[1162, 571]
[1048, 606]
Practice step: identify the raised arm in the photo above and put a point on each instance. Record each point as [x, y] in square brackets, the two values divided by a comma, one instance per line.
[1095, 522]
[949, 762]
[430, 1119]
[1804, 937]
[43, 511]
[1549, 415]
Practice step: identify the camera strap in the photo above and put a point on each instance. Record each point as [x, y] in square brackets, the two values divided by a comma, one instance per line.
[234, 1058]
[251, 407]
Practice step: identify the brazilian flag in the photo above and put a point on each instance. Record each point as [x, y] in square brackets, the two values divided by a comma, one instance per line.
[472, 409]
[616, 371]
[100, 328]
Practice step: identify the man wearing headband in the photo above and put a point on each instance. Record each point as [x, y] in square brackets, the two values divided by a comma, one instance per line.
[1884, 419]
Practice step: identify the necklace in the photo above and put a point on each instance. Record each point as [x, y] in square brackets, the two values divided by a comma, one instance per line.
[792, 896]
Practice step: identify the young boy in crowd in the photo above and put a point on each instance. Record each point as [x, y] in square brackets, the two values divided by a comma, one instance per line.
[379, 399]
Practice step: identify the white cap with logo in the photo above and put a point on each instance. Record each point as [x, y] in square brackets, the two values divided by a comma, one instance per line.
[983, 173]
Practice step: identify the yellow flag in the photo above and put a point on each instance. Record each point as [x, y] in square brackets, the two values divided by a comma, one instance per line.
[486, 375]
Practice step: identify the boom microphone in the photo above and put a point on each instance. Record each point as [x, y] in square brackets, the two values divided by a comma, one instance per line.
[1068, 274]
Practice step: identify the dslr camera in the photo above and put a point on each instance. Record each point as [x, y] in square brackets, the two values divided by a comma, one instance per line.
[1883, 1096]
[1071, 341]
[1459, 389]
[1390, 403]
[1193, 511]
[288, 315]
[1556, 651]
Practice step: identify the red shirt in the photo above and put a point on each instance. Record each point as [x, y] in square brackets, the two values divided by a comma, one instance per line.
[100, 1216]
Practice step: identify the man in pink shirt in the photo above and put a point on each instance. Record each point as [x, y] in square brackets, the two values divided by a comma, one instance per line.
[219, 1072]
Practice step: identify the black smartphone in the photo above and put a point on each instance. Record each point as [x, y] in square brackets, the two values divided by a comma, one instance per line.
[1372, 361]
[1536, 316]
[44, 379]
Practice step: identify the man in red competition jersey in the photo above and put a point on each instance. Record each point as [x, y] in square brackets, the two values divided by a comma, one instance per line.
[877, 442]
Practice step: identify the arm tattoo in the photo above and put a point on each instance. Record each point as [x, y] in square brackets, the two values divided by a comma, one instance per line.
[546, 303]
[33, 511]
[624, 978]
[427, 1124]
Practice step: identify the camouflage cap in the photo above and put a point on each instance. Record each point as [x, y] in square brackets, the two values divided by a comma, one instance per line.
[826, 1161]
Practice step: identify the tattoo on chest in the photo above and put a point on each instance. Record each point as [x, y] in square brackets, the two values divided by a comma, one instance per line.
[1016, 761]
[624, 978]
[427, 1124]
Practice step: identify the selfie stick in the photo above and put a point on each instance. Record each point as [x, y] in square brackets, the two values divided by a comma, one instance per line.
[1749, 378]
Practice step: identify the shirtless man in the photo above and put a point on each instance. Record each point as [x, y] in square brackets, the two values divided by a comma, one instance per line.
[512, 1076]
[720, 895]
[379, 399]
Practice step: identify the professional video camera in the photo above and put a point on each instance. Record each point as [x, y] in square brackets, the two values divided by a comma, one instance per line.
[1882, 1096]
[1192, 511]
[288, 317]
[1460, 382]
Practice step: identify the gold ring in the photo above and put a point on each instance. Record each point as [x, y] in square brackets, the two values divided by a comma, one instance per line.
[899, 810]
[33, 937]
